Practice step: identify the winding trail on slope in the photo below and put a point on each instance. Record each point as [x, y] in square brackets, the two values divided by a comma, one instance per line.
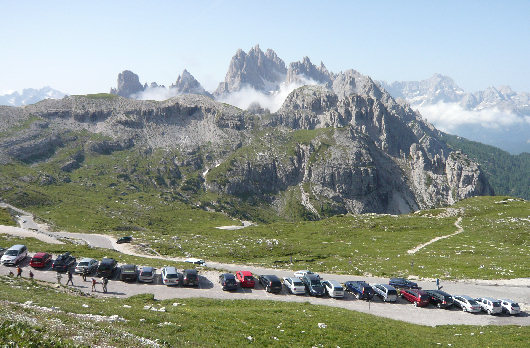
[459, 230]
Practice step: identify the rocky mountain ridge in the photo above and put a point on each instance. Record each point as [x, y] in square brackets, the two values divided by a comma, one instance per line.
[30, 96]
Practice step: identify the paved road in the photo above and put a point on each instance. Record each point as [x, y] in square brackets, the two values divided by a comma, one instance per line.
[209, 287]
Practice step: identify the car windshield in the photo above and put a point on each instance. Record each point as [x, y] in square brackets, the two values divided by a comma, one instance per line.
[515, 304]
[338, 288]
[472, 302]
[392, 292]
[249, 278]
[84, 263]
[191, 276]
[171, 275]
[276, 284]
[298, 283]
[230, 281]
[315, 282]
[147, 274]
[496, 304]
[424, 297]
[12, 252]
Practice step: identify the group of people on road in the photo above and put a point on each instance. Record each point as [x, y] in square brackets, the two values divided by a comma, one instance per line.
[70, 280]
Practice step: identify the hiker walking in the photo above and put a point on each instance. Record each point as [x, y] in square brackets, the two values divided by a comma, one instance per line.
[94, 284]
[105, 282]
[70, 278]
[31, 275]
[438, 283]
[59, 276]
[19, 271]
[84, 274]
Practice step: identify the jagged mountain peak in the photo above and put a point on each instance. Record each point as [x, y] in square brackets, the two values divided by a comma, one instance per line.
[306, 70]
[128, 84]
[187, 84]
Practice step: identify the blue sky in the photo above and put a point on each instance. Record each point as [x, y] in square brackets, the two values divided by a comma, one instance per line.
[80, 47]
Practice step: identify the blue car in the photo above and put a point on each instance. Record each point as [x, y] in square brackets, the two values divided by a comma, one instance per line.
[360, 289]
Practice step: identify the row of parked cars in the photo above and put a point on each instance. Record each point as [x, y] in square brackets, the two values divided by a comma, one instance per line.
[303, 282]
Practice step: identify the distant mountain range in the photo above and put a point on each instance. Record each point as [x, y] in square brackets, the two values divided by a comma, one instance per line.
[496, 116]
[30, 96]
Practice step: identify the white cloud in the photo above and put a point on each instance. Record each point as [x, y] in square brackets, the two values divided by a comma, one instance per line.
[272, 101]
[156, 93]
[449, 117]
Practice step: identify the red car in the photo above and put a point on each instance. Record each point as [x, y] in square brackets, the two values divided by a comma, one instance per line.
[39, 260]
[245, 279]
[418, 297]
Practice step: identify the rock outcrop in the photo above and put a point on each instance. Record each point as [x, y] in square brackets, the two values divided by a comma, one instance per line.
[187, 84]
[128, 84]
[262, 71]
[305, 71]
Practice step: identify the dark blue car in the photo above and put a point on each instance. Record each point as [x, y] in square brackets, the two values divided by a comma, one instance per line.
[313, 285]
[360, 289]
[402, 283]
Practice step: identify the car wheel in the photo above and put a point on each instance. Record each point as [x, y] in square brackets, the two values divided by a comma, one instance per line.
[489, 312]
[464, 309]
[357, 296]
[268, 289]
[415, 304]
[438, 305]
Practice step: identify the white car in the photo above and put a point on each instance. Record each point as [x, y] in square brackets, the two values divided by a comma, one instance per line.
[195, 261]
[302, 273]
[489, 305]
[468, 304]
[88, 264]
[14, 255]
[170, 276]
[510, 307]
[147, 274]
[387, 292]
[333, 288]
[294, 285]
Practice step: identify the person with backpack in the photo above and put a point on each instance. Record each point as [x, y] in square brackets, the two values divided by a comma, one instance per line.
[85, 271]
[19, 271]
[31, 275]
[94, 282]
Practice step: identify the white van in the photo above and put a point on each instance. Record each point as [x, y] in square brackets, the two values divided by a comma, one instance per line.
[490, 305]
[14, 255]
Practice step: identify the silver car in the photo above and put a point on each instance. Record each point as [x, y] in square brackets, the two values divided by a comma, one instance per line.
[170, 276]
[87, 265]
[294, 285]
[489, 305]
[147, 274]
[468, 304]
[510, 307]
[387, 292]
[333, 288]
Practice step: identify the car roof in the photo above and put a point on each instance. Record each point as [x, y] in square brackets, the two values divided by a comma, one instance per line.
[148, 268]
[491, 299]
[190, 271]
[507, 300]
[170, 269]
[271, 277]
[86, 259]
[293, 279]
[388, 286]
[312, 276]
[465, 296]
[246, 273]
[17, 246]
[107, 259]
[40, 254]
[333, 282]
[229, 275]
[128, 266]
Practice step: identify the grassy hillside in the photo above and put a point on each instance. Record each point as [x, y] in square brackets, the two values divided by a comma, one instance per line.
[508, 174]
[5, 218]
[206, 323]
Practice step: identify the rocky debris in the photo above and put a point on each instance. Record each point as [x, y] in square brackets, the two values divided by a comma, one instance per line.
[128, 84]
[260, 70]
[107, 147]
[70, 166]
[187, 84]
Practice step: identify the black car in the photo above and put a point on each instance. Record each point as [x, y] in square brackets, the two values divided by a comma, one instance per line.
[313, 285]
[2, 251]
[402, 283]
[440, 298]
[128, 273]
[190, 277]
[63, 262]
[271, 283]
[360, 289]
[126, 239]
[106, 267]
[228, 281]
